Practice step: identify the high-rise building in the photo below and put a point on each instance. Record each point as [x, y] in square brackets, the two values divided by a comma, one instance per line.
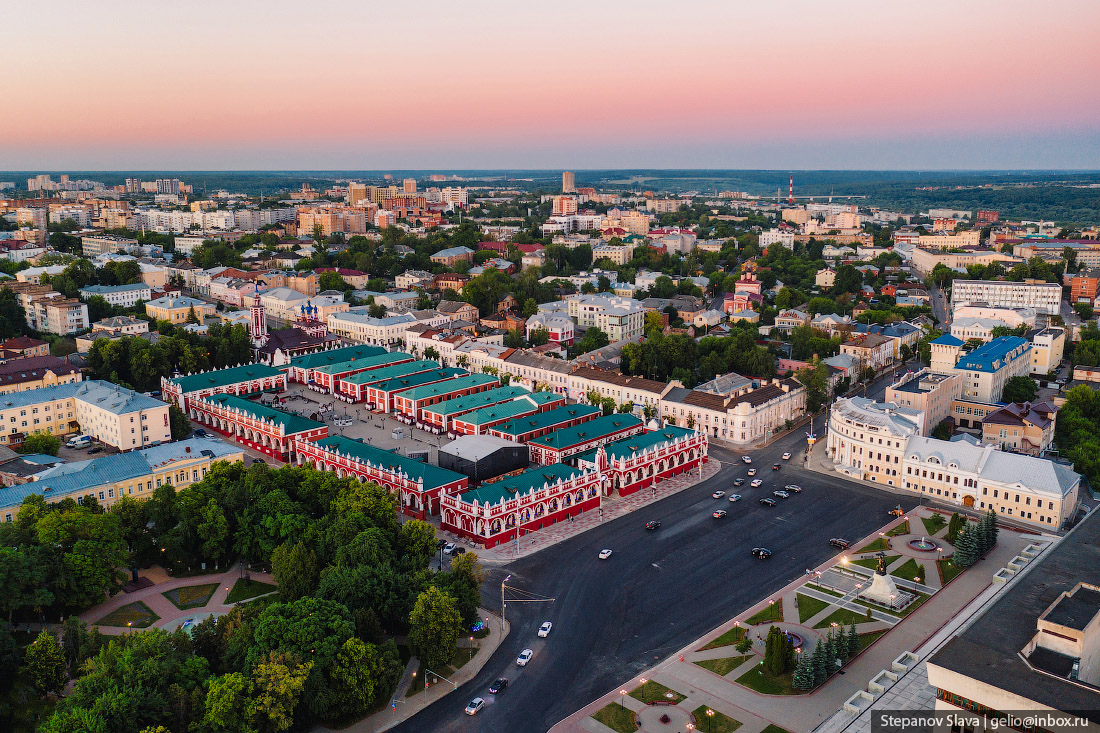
[568, 183]
[168, 185]
[133, 185]
[357, 192]
[408, 185]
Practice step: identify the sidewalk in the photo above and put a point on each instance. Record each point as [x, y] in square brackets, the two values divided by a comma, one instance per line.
[613, 508]
[410, 706]
[805, 712]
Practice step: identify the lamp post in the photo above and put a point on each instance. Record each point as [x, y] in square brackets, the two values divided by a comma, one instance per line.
[502, 604]
[622, 699]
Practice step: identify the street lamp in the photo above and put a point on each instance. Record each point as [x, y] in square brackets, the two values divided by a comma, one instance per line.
[622, 699]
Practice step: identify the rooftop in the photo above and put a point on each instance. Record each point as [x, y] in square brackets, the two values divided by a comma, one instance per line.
[291, 423]
[433, 476]
[334, 356]
[519, 406]
[364, 362]
[413, 380]
[469, 402]
[451, 385]
[33, 368]
[531, 423]
[591, 430]
[393, 370]
[95, 289]
[516, 486]
[990, 357]
[627, 448]
[224, 377]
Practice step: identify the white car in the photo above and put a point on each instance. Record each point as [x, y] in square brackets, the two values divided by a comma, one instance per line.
[604, 554]
[524, 657]
[475, 705]
[544, 630]
[746, 459]
[717, 494]
[786, 456]
[449, 548]
[752, 471]
[735, 497]
[756, 483]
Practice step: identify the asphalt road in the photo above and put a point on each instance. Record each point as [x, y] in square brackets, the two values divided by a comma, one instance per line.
[658, 592]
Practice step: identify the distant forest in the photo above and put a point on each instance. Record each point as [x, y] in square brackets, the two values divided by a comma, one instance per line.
[1062, 196]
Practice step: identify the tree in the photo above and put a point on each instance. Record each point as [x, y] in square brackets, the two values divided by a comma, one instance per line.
[815, 378]
[804, 673]
[853, 641]
[840, 645]
[360, 677]
[530, 307]
[906, 353]
[434, 627]
[13, 318]
[942, 431]
[953, 526]
[540, 336]
[966, 547]
[41, 442]
[1084, 310]
[178, 422]
[332, 281]
[848, 280]
[192, 317]
[295, 567]
[820, 662]
[991, 530]
[593, 339]
[44, 664]
[1019, 389]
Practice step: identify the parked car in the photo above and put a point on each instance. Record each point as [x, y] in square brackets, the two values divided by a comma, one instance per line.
[440, 544]
[781, 494]
[201, 433]
[752, 471]
[756, 483]
[717, 494]
[459, 551]
[524, 657]
[80, 441]
[544, 630]
[498, 686]
[604, 554]
[738, 481]
[475, 706]
[735, 497]
[768, 502]
[839, 542]
[746, 459]
[719, 514]
[793, 488]
[786, 456]
[96, 449]
[449, 548]
[761, 553]
[653, 524]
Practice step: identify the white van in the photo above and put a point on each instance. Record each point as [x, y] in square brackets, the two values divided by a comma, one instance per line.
[80, 441]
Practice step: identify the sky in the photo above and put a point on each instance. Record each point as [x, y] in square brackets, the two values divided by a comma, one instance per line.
[848, 84]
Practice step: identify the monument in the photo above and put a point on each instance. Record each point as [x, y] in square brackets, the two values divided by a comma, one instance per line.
[884, 590]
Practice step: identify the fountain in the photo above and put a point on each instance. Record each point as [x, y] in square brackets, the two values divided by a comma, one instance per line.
[923, 545]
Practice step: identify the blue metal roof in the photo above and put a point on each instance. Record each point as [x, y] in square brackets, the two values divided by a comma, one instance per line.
[994, 355]
[948, 340]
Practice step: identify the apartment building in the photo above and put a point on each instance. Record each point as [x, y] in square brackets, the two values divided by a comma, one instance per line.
[332, 219]
[1043, 297]
[867, 439]
[621, 319]
[927, 392]
[745, 416]
[872, 350]
[178, 309]
[791, 319]
[452, 256]
[1022, 427]
[986, 369]
[560, 328]
[776, 236]
[287, 305]
[925, 258]
[124, 296]
[388, 331]
[102, 244]
[57, 315]
[135, 474]
[1048, 347]
[22, 347]
[414, 279]
[1011, 317]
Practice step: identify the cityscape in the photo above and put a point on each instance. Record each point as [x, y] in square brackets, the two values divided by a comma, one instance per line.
[340, 397]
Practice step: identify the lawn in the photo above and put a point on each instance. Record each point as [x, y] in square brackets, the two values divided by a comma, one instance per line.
[948, 570]
[137, 615]
[245, 589]
[866, 640]
[899, 530]
[653, 691]
[878, 545]
[910, 570]
[191, 596]
[841, 616]
[764, 682]
[723, 666]
[734, 635]
[809, 607]
[872, 562]
[823, 589]
[771, 612]
[933, 524]
[774, 729]
[715, 722]
[617, 718]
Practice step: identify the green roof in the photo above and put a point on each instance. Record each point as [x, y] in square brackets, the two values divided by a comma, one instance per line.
[540, 420]
[627, 447]
[389, 372]
[518, 406]
[546, 398]
[367, 362]
[516, 486]
[469, 402]
[225, 377]
[433, 476]
[601, 426]
[415, 380]
[334, 356]
[433, 390]
[291, 423]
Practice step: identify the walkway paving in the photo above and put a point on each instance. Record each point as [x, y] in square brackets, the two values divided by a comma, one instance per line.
[170, 616]
[401, 708]
[805, 712]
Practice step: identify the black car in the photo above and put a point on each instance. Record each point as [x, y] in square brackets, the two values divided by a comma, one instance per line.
[96, 449]
[775, 466]
[201, 433]
[793, 488]
[768, 502]
[459, 551]
[738, 481]
[498, 686]
[839, 542]
[654, 524]
[440, 543]
[761, 553]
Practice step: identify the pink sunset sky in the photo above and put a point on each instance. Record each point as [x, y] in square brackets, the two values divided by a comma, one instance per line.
[484, 84]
